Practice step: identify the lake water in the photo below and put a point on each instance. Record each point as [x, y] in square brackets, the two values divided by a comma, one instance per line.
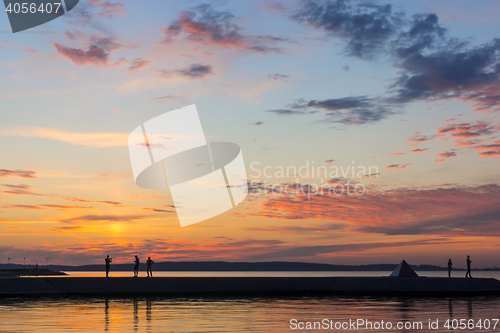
[250, 314]
[482, 274]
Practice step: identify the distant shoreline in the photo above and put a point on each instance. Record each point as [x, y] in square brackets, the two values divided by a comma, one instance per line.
[221, 266]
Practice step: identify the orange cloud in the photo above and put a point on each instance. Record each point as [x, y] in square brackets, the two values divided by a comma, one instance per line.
[452, 210]
[46, 206]
[92, 140]
[447, 154]
[468, 130]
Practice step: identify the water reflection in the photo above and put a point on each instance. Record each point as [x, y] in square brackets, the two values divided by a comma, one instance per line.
[106, 314]
[228, 315]
[136, 314]
[469, 307]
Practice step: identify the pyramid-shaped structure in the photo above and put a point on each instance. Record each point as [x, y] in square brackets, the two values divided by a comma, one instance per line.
[404, 270]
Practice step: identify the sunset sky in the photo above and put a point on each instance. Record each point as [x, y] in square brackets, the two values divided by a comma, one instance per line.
[407, 93]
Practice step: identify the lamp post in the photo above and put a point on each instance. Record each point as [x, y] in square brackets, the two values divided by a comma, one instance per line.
[24, 264]
[47, 263]
[8, 266]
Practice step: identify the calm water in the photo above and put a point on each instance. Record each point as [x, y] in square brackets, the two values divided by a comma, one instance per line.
[233, 315]
[484, 274]
[244, 314]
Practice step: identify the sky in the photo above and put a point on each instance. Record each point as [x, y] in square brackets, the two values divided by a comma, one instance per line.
[369, 130]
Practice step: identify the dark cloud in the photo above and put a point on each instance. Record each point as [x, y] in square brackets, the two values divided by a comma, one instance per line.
[419, 150]
[205, 25]
[367, 27]
[453, 71]
[360, 116]
[257, 123]
[195, 71]
[283, 112]
[17, 173]
[278, 77]
[341, 103]
[357, 110]
[104, 218]
[437, 66]
[433, 65]
[397, 166]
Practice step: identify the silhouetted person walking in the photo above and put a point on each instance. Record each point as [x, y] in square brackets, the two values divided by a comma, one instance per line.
[149, 262]
[449, 268]
[468, 267]
[108, 261]
[136, 266]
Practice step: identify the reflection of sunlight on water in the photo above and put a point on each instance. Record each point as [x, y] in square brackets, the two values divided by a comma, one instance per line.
[227, 315]
[477, 274]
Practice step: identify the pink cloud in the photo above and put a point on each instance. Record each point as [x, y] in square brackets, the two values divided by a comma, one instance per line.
[107, 8]
[204, 25]
[138, 63]
[468, 130]
[447, 210]
[489, 149]
[98, 53]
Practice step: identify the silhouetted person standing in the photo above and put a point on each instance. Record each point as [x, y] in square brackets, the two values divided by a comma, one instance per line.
[468, 267]
[149, 262]
[449, 268]
[108, 261]
[136, 266]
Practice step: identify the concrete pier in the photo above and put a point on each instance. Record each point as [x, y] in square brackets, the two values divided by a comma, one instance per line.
[246, 286]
